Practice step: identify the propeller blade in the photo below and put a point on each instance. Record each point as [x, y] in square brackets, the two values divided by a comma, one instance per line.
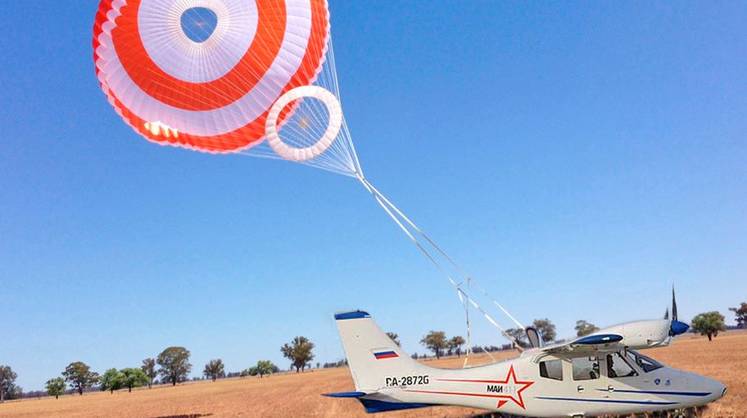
[666, 314]
[676, 327]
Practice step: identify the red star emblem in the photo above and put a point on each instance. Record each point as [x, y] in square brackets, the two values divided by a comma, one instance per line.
[521, 386]
[518, 386]
[510, 380]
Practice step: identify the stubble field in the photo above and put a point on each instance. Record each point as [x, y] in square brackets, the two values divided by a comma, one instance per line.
[299, 395]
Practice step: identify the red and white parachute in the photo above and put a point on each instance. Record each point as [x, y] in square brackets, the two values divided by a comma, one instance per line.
[222, 76]
[255, 77]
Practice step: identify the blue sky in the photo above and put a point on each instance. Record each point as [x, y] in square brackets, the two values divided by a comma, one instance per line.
[577, 159]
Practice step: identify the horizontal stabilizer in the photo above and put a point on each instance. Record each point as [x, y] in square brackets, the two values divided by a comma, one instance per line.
[374, 405]
[344, 394]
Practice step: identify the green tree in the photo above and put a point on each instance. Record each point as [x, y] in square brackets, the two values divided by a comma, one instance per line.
[174, 363]
[394, 337]
[299, 352]
[456, 343]
[585, 328]
[111, 380]
[214, 369]
[436, 342]
[7, 382]
[263, 368]
[80, 376]
[709, 323]
[133, 377]
[546, 328]
[56, 387]
[741, 314]
[519, 336]
[149, 368]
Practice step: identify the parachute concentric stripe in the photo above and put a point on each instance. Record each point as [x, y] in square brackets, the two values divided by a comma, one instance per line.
[211, 96]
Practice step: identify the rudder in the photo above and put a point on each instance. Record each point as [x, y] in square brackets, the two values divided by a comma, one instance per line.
[372, 355]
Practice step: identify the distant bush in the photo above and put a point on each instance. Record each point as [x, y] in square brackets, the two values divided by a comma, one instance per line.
[340, 363]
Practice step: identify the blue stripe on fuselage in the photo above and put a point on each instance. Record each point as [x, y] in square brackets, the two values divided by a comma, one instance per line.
[550, 398]
[658, 392]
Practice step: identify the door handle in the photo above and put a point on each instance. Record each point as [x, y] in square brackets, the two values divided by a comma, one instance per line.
[580, 388]
[610, 388]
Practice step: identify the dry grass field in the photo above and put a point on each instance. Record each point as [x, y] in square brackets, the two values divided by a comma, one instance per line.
[298, 395]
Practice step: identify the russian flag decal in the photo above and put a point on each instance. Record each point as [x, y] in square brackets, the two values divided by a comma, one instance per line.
[385, 354]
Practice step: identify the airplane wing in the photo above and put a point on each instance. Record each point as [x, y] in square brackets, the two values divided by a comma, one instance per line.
[634, 335]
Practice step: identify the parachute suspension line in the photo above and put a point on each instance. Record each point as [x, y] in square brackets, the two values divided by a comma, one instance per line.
[444, 254]
[308, 118]
[469, 330]
[495, 324]
[495, 302]
[392, 211]
[307, 124]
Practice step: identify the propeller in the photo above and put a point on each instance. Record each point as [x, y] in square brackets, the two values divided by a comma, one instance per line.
[676, 327]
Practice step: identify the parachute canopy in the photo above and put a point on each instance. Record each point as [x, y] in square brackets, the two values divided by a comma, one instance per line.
[204, 74]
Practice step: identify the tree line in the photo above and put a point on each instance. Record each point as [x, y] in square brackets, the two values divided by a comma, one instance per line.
[708, 324]
[172, 364]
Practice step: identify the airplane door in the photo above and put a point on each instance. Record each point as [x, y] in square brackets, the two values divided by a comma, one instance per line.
[616, 373]
[586, 375]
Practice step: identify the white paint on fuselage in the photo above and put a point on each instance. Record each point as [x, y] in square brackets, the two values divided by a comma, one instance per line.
[577, 378]
[527, 393]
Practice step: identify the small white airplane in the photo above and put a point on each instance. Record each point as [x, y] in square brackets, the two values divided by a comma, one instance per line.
[596, 374]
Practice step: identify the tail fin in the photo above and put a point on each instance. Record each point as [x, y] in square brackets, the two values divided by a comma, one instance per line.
[372, 355]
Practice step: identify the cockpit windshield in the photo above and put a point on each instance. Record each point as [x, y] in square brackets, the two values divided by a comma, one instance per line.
[647, 364]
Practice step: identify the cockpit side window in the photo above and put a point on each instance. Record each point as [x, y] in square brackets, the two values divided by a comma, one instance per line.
[647, 364]
[618, 367]
[551, 369]
[585, 368]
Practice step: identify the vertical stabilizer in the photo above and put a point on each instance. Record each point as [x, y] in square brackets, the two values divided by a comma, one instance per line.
[372, 355]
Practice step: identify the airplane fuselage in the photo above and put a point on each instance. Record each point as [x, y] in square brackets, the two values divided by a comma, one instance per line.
[550, 385]
[592, 375]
